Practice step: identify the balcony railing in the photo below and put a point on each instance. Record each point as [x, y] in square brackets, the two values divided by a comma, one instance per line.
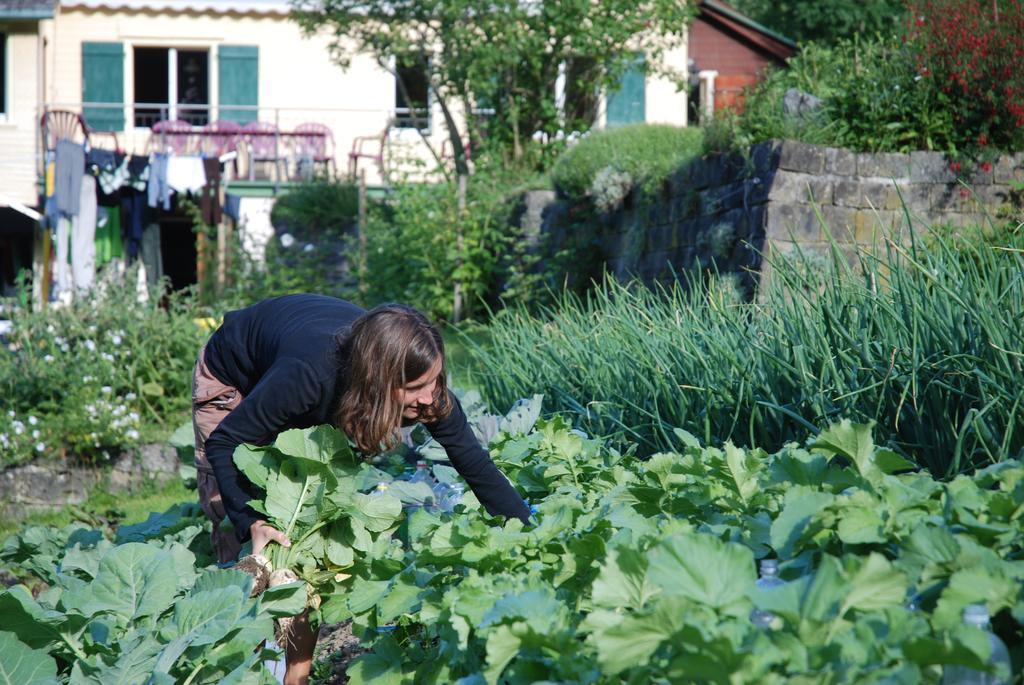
[276, 143]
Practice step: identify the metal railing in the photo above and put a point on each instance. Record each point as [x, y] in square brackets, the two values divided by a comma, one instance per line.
[393, 130]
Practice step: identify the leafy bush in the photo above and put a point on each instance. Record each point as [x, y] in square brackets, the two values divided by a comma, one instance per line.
[604, 163]
[96, 376]
[317, 209]
[419, 244]
[970, 52]
[924, 342]
[872, 99]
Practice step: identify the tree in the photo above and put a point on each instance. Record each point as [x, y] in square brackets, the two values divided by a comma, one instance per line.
[825, 20]
[503, 56]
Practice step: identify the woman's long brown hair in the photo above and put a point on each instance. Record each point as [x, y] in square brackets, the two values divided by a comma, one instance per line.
[386, 349]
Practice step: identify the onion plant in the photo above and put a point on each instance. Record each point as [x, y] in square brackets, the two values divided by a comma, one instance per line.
[924, 336]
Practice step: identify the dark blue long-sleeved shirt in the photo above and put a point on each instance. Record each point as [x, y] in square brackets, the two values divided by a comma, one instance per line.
[283, 355]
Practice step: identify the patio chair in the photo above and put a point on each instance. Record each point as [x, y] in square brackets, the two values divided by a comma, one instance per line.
[62, 124]
[221, 137]
[316, 141]
[264, 145]
[368, 147]
[171, 133]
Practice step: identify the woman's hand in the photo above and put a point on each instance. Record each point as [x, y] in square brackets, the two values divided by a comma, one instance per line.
[263, 533]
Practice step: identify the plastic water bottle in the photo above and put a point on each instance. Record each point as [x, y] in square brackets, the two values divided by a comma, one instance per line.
[769, 579]
[452, 497]
[999, 660]
[422, 474]
[380, 490]
[276, 667]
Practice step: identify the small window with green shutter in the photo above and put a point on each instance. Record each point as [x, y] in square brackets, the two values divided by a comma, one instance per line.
[103, 86]
[238, 82]
[626, 104]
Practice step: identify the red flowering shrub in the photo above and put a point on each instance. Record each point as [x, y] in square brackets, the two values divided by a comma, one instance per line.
[972, 51]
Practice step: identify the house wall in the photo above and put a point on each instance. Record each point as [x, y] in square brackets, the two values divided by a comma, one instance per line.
[298, 83]
[738, 64]
[19, 128]
[664, 101]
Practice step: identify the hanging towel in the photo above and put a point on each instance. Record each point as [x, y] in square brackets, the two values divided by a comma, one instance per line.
[108, 236]
[150, 253]
[68, 176]
[158, 189]
[185, 174]
[83, 236]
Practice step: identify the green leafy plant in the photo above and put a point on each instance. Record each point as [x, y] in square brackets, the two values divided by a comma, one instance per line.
[898, 341]
[636, 156]
[131, 361]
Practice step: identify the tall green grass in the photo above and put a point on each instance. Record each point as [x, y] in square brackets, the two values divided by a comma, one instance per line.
[926, 341]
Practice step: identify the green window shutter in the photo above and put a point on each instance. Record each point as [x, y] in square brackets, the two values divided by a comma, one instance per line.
[626, 103]
[238, 75]
[103, 82]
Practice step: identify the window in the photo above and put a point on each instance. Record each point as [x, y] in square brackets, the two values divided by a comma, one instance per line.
[3, 74]
[412, 106]
[171, 84]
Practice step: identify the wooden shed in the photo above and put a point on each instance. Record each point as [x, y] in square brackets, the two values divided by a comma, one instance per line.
[739, 49]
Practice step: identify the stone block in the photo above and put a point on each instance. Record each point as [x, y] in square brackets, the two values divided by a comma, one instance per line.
[980, 174]
[790, 187]
[686, 232]
[1009, 169]
[953, 197]
[930, 167]
[756, 190]
[838, 221]
[733, 195]
[792, 222]
[795, 156]
[869, 226]
[840, 162]
[765, 157]
[658, 237]
[712, 200]
[847, 193]
[884, 164]
[756, 222]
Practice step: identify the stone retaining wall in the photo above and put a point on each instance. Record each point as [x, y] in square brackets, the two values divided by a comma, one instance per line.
[47, 486]
[728, 211]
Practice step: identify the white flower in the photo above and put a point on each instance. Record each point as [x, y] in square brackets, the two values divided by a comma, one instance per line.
[106, 390]
[287, 240]
[86, 379]
[19, 427]
[59, 340]
[132, 434]
[48, 358]
[40, 446]
[308, 247]
[32, 420]
[90, 345]
[108, 357]
[4, 440]
[11, 413]
[116, 339]
[130, 396]
[35, 434]
[93, 436]
[134, 416]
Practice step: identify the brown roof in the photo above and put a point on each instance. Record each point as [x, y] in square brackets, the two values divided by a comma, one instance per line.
[757, 35]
